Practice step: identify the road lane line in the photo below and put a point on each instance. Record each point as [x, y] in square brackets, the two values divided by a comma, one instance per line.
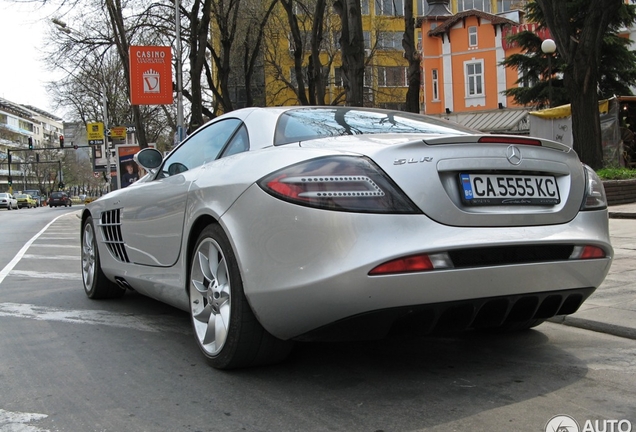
[160, 324]
[48, 257]
[55, 246]
[46, 275]
[16, 259]
[11, 421]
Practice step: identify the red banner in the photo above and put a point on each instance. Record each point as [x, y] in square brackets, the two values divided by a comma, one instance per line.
[150, 75]
[543, 33]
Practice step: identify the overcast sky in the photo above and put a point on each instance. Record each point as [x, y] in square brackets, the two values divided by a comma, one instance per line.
[23, 75]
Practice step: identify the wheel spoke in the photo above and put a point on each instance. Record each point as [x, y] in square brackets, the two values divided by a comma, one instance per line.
[221, 328]
[204, 265]
[210, 332]
[200, 286]
[224, 313]
[204, 315]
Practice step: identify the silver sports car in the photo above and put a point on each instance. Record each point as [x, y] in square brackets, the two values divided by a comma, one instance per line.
[270, 225]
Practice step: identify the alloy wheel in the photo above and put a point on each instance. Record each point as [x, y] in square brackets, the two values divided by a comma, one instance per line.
[210, 296]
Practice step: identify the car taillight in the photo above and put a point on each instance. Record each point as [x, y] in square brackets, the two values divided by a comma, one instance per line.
[495, 139]
[594, 198]
[413, 263]
[587, 252]
[343, 183]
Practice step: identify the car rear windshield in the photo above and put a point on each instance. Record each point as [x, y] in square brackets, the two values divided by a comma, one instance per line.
[310, 123]
[57, 194]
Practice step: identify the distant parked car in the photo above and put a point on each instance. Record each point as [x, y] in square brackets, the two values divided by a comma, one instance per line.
[8, 201]
[57, 199]
[25, 200]
[39, 198]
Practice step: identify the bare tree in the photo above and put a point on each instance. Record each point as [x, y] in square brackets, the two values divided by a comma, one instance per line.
[413, 56]
[352, 46]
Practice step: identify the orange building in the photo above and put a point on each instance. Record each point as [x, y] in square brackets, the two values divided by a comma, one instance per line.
[461, 56]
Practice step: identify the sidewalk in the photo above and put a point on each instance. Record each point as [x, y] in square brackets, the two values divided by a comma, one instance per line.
[612, 307]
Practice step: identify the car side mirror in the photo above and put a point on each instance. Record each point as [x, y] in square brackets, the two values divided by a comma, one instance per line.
[149, 159]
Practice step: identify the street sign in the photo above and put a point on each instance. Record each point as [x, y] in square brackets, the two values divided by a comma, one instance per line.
[118, 132]
[95, 131]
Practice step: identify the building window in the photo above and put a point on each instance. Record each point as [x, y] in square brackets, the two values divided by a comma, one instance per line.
[392, 76]
[364, 7]
[390, 40]
[435, 84]
[480, 5]
[527, 78]
[389, 7]
[474, 78]
[472, 36]
[508, 5]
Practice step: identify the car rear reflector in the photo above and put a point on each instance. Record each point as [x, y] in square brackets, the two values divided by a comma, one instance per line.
[414, 263]
[587, 252]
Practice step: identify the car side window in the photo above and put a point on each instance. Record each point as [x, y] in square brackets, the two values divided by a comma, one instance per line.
[240, 142]
[202, 147]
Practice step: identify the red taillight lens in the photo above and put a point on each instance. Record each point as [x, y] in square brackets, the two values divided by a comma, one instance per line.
[509, 140]
[587, 252]
[592, 252]
[343, 183]
[410, 264]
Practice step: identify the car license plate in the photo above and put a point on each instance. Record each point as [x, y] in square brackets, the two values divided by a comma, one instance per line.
[503, 189]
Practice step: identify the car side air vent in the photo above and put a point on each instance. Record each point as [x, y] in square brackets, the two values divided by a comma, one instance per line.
[110, 224]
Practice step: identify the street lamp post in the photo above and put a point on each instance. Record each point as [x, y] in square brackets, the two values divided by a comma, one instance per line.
[549, 47]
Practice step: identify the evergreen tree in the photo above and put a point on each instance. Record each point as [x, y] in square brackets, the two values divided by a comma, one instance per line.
[616, 70]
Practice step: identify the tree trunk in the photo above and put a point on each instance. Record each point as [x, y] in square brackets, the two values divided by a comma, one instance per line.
[581, 52]
[317, 82]
[199, 33]
[121, 40]
[352, 49]
[413, 56]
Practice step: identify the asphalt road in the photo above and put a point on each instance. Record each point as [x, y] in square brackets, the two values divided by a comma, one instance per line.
[68, 363]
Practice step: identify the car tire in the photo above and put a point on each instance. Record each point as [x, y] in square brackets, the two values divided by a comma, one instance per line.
[96, 285]
[225, 328]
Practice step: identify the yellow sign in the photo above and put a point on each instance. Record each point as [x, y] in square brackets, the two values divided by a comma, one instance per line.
[118, 132]
[95, 131]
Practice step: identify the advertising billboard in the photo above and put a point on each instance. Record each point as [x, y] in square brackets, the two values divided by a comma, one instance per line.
[150, 75]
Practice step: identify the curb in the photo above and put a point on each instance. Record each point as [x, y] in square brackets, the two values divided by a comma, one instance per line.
[600, 327]
[621, 215]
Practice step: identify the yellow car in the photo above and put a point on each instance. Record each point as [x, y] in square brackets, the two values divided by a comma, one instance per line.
[26, 200]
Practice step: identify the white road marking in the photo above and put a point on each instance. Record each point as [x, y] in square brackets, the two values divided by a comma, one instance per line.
[16, 421]
[55, 246]
[159, 324]
[16, 259]
[46, 275]
[50, 257]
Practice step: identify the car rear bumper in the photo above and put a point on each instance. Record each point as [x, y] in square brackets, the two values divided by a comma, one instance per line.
[304, 269]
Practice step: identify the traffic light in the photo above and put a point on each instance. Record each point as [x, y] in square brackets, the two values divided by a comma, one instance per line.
[61, 140]
[30, 143]
[10, 180]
